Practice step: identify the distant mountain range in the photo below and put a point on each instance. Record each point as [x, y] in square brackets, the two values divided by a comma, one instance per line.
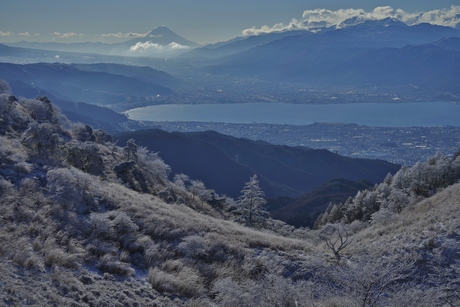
[224, 163]
[387, 32]
[372, 53]
[239, 44]
[80, 89]
[160, 41]
[434, 65]
[91, 83]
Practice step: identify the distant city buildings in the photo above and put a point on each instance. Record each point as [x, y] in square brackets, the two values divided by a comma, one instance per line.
[400, 145]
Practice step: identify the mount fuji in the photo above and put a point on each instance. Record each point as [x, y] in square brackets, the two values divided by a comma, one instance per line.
[161, 41]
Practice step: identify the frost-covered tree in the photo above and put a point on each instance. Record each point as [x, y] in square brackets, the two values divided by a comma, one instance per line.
[408, 186]
[85, 156]
[337, 238]
[181, 180]
[197, 188]
[5, 87]
[368, 282]
[251, 203]
[131, 150]
[154, 167]
[41, 139]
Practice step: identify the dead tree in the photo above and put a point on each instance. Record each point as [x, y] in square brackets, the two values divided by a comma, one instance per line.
[337, 239]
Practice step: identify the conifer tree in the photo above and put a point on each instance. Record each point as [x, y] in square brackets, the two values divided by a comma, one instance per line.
[251, 203]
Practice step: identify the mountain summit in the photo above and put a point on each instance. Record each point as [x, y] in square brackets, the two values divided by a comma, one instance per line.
[163, 36]
[386, 22]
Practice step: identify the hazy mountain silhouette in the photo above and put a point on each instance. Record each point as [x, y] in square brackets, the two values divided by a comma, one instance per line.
[238, 44]
[435, 65]
[72, 83]
[282, 170]
[161, 35]
[330, 58]
[88, 47]
[143, 73]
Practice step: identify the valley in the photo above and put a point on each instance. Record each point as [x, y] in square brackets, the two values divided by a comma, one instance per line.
[402, 145]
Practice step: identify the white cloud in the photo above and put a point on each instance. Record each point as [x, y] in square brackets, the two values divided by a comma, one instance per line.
[293, 25]
[66, 35]
[24, 34]
[124, 35]
[444, 17]
[177, 46]
[149, 47]
[5, 33]
[312, 19]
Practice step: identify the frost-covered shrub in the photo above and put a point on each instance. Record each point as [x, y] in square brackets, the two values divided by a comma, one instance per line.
[101, 226]
[73, 190]
[85, 156]
[272, 291]
[58, 257]
[5, 87]
[83, 133]
[193, 246]
[22, 253]
[152, 164]
[11, 150]
[6, 188]
[408, 186]
[13, 116]
[23, 167]
[221, 251]
[182, 280]
[5, 104]
[39, 110]
[383, 217]
[41, 139]
[100, 248]
[367, 282]
[6, 150]
[112, 223]
[110, 264]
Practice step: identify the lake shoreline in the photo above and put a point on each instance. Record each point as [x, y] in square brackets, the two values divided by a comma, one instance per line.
[411, 114]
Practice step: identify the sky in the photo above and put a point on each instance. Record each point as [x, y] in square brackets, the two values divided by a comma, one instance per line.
[202, 21]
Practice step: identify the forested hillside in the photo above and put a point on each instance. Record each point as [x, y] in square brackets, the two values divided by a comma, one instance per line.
[85, 222]
[223, 162]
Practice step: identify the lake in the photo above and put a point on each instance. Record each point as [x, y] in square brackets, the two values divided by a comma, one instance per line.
[370, 114]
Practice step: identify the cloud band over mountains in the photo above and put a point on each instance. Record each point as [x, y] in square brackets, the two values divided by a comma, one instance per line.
[124, 35]
[149, 47]
[312, 19]
[66, 35]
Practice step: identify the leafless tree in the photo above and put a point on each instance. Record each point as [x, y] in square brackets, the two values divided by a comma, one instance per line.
[337, 238]
[369, 282]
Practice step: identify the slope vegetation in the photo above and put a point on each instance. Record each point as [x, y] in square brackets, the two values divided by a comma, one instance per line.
[84, 222]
